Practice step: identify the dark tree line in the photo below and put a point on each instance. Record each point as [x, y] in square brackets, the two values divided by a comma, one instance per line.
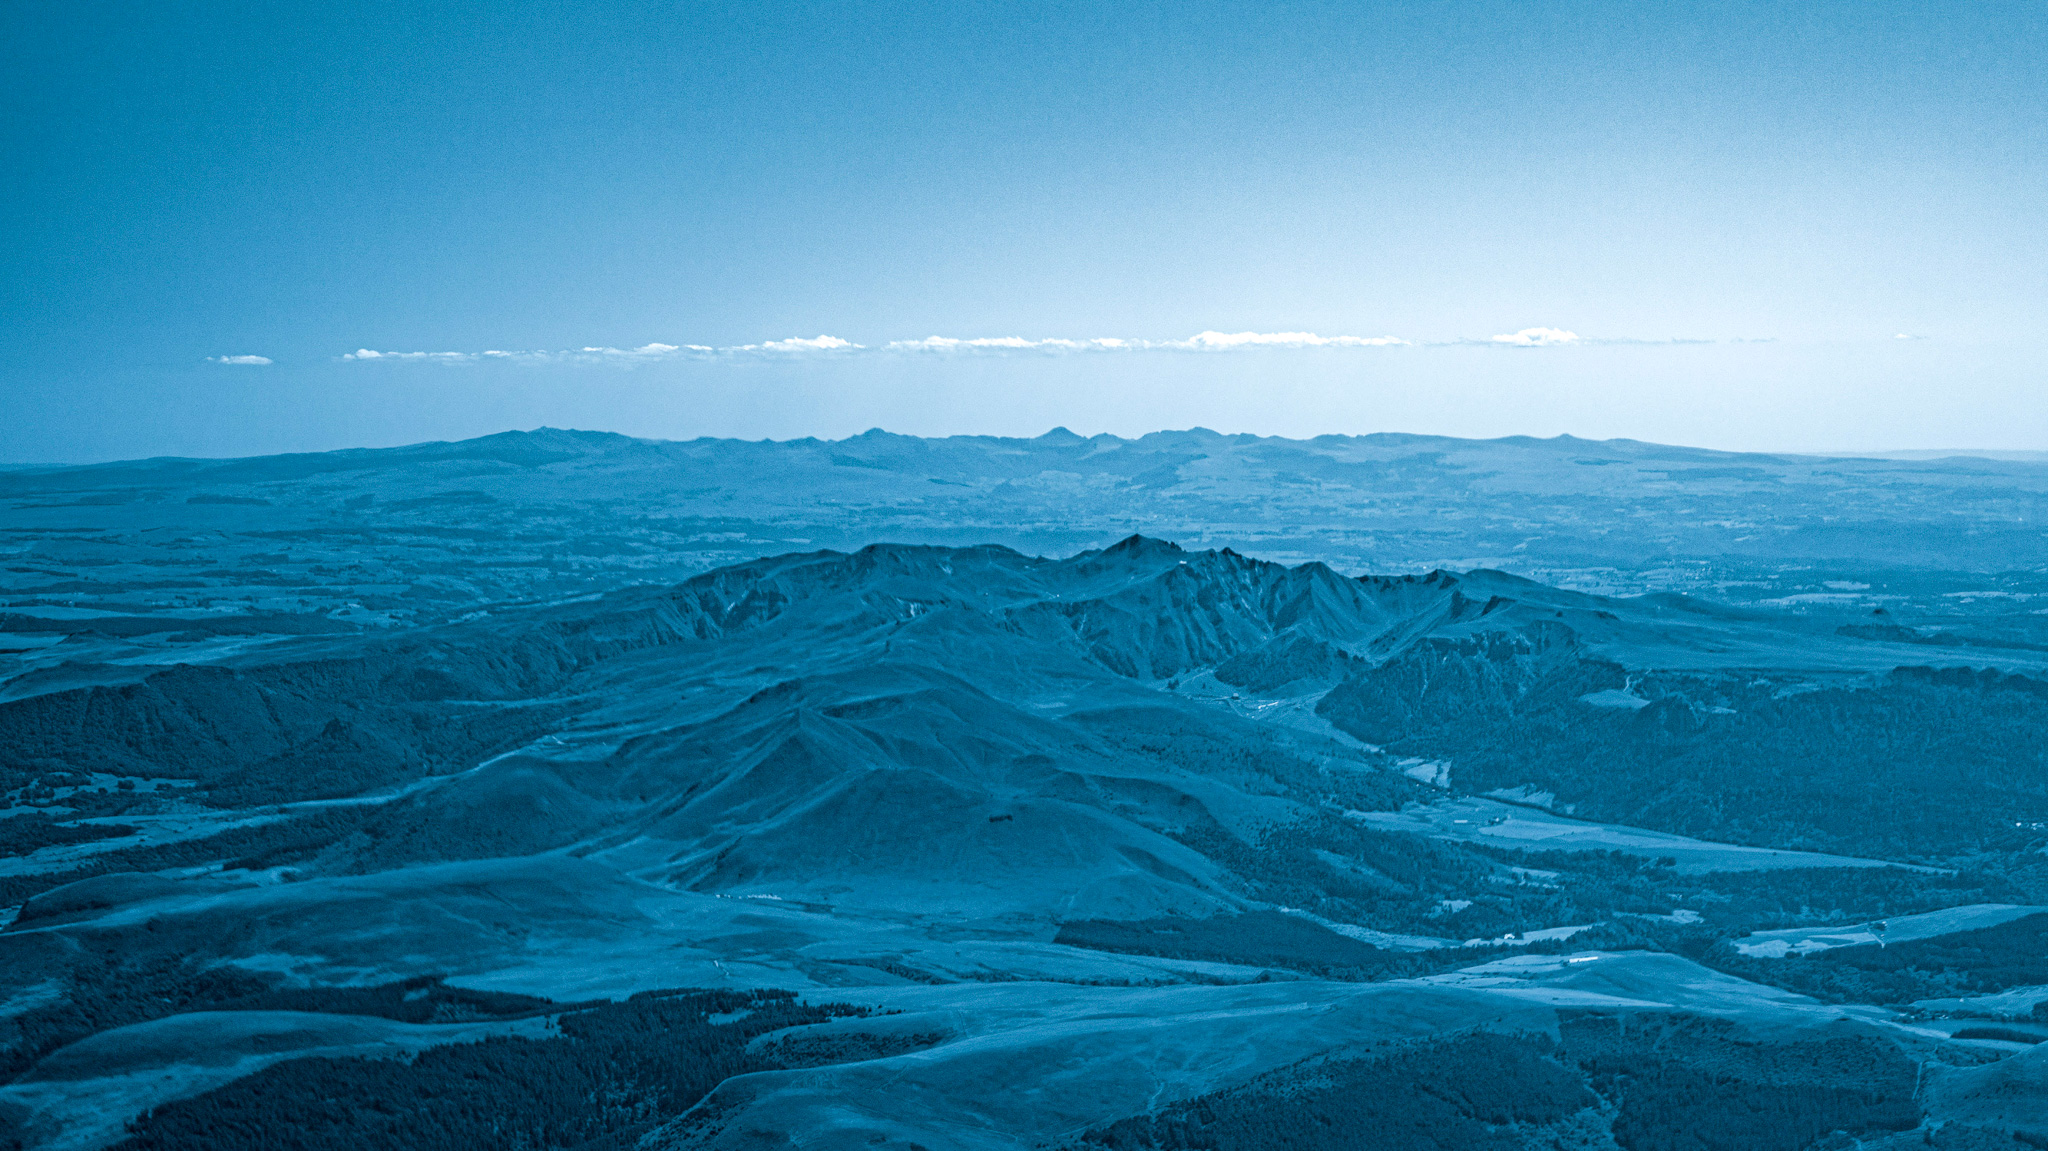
[1924, 764]
[606, 1075]
[1667, 1082]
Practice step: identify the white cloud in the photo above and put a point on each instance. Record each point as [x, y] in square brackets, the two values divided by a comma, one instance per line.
[1560, 338]
[645, 353]
[1200, 342]
[799, 344]
[257, 361]
[1536, 338]
[799, 347]
[1009, 344]
[833, 345]
[1224, 341]
[402, 357]
[1908, 336]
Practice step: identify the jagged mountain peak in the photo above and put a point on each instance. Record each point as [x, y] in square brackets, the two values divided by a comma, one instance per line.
[1143, 607]
[1137, 546]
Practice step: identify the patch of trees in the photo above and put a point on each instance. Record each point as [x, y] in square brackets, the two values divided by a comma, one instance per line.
[129, 626]
[421, 999]
[847, 1047]
[609, 1074]
[1684, 1083]
[105, 989]
[2012, 954]
[1604, 882]
[22, 834]
[1979, 962]
[1517, 701]
[1805, 897]
[1927, 763]
[1409, 884]
[1402, 883]
[97, 803]
[321, 728]
[1286, 660]
[1466, 1093]
[2002, 1034]
[261, 845]
[1659, 1082]
[1254, 939]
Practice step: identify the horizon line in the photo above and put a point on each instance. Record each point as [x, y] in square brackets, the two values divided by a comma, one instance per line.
[2008, 455]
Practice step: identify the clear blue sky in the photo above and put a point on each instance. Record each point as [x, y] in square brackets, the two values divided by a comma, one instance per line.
[189, 182]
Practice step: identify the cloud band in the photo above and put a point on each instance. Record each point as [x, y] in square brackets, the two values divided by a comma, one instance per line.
[940, 345]
[808, 346]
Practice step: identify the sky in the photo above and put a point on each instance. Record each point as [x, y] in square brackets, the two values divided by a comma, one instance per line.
[231, 229]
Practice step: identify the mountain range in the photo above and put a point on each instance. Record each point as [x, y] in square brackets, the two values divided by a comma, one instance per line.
[1701, 799]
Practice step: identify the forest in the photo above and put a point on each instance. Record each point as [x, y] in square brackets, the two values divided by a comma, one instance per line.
[105, 989]
[1920, 764]
[1979, 962]
[258, 845]
[1254, 939]
[605, 1075]
[1657, 1082]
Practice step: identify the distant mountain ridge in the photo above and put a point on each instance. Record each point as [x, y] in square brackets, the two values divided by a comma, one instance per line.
[544, 445]
[1588, 513]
